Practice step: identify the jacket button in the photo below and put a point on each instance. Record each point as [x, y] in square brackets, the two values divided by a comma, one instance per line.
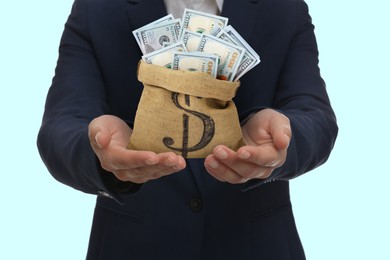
[196, 205]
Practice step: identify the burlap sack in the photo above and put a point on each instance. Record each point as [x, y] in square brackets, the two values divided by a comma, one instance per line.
[186, 112]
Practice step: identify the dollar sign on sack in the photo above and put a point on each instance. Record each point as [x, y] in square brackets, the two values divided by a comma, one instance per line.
[208, 128]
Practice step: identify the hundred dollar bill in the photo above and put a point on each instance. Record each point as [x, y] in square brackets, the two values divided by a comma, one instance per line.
[196, 61]
[164, 57]
[230, 55]
[241, 42]
[191, 40]
[166, 18]
[248, 60]
[201, 22]
[153, 37]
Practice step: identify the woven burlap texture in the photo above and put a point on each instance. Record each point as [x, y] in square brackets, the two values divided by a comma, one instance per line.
[185, 112]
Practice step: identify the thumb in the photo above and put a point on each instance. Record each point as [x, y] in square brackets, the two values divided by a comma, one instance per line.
[99, 134]
[281, 132]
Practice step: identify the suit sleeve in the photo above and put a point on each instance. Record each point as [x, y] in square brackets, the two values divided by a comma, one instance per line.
[76, 96]
[301, 96]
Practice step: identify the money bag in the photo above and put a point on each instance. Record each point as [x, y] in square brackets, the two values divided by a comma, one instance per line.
[186, 112]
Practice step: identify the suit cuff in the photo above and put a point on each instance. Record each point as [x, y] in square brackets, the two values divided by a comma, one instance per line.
[113, 188]
[257, 183]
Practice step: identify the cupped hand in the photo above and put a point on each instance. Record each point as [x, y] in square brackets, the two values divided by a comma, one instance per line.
[109, 136]
[267, 135]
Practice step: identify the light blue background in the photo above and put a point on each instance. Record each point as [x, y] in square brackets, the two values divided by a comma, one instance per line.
[342, 209]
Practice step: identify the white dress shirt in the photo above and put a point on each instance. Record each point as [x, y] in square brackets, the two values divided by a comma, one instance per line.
[176, 7]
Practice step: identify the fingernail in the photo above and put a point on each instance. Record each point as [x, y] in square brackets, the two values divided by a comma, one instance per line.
[151, 161]
[170, 161]
[221, 154]
[97, 140]
[176, 167]
[213, 164]
[288, 141]
[244, 155]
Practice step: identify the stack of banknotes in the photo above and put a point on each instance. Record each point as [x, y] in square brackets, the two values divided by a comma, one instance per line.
[197, 42]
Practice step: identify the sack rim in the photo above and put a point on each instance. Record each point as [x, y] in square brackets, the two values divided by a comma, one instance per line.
[198, 84]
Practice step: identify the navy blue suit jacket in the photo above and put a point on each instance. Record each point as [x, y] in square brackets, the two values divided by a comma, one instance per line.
[189, 215]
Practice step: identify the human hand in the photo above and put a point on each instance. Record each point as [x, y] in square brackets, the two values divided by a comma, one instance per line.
[267, 135]
[109, 136]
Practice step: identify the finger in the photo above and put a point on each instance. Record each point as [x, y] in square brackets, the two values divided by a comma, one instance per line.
[280, 131]
[146, 173]
[229, 158]
[211, 164]
[167, 168]
[228, 166]
[99, 134]
[171, 161]
[145, 160]
[244, 168]
[141, 175]
[119, 158]
[102, 139]
[180, 165]
[263, 156]
[222, 172]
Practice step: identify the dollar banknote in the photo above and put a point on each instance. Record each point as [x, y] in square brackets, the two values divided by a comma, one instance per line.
[167, 40]
[191, 40]
[200, 22]
[166, 18]
[164, 57]
[152, 37]
[230, 55]
[248, 60]
[196, 61]
[240, 41]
